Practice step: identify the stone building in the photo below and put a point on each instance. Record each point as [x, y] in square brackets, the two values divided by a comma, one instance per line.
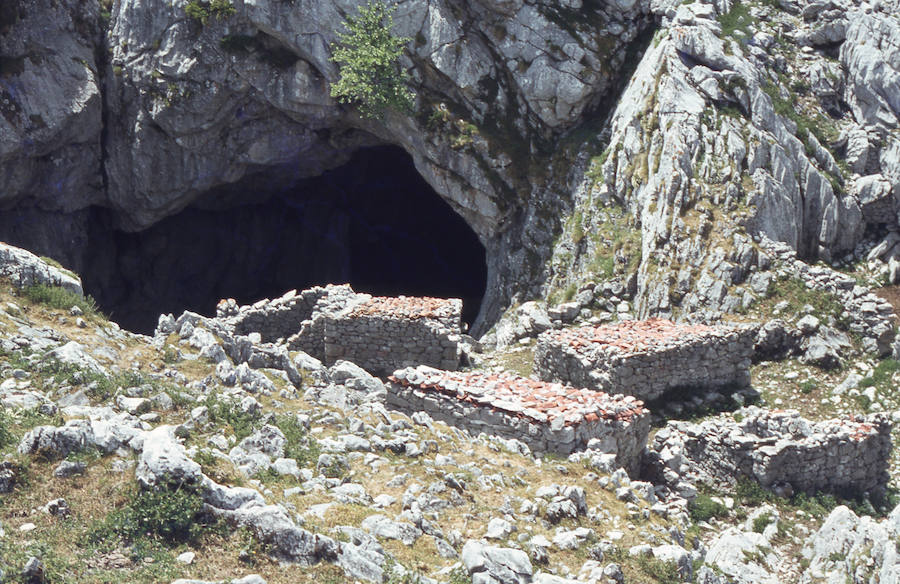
[846, 455]
[380, 334]
[549, 417]
[646, 358]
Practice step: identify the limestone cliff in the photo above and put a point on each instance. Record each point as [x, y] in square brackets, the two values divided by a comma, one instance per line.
[740, 120]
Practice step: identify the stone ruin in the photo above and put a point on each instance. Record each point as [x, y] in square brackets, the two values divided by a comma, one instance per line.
[775, 448]
[646, 358]
[380, 334]
[549, 417]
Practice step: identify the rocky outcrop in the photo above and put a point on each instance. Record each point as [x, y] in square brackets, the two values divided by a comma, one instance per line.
[191, 107]
[25, 269]
[848, 547]
[51, 104]
[708, 151]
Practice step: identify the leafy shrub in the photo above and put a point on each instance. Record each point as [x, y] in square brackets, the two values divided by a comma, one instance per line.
[62, 299]
[368, 58]
[299, 445]
[661, 572]
[200, 10]
[750, 492]
[172, 516]
[703, 508]
[761, 522]
[230, 414]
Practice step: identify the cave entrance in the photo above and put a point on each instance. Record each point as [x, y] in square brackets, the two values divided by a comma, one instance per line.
[373, 222]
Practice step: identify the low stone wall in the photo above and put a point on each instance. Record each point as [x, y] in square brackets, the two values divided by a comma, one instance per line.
[549, 417]
[283, 317]
[847, 455]
[646, 358]
[386, 333]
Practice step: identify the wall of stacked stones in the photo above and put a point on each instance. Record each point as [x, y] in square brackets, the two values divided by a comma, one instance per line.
[626, 439]
[718, 360]
[274, 320]
[824, 457]
[311, 338]
[382, 344]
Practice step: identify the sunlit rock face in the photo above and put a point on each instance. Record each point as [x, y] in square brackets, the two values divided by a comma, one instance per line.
[170, 110]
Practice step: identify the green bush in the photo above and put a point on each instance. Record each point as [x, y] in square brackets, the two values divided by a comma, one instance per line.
[761, 522]
[200, 10]
[703, 508]
[661, 572]
[750, 492]
[299, 445]
[62, 299]
[368, 57]
[172, 516]
[230, 414]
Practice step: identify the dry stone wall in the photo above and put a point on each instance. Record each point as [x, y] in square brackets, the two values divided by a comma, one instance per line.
[845, 455]
[549, 417]
[386, 333]
[646, 358]
[332, 323]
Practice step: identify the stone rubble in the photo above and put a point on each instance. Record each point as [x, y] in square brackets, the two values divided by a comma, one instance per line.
[548, 417]
[646, 358]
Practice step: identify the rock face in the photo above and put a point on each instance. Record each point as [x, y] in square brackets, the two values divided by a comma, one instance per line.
[191, 106]
[689, 163]
[709, 152]
[50, 101]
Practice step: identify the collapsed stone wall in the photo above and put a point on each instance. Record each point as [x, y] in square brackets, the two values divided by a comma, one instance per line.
[283, 317]
[549, 417]
[867, 315]
[382, 334]
[646, 358]
[774, 448]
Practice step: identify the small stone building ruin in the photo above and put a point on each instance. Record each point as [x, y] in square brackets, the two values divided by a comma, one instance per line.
[844, 455]
[646, 358]
[549, 417]
[378, 333]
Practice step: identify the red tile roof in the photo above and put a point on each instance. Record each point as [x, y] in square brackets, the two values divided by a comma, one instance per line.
[406, 307]
[537, 400]
[631, 335]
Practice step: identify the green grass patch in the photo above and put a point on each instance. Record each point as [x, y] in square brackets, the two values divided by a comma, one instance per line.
[762, 521]
[230, 415]
[704, 508]
[882, 374]
[299, 444]
[795, 292]
[62, 299]
[171, 517]
[737, 20]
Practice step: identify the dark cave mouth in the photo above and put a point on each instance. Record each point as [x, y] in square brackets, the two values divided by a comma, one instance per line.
[373, 222]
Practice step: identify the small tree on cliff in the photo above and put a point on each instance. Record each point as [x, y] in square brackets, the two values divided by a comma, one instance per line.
[368, 56]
